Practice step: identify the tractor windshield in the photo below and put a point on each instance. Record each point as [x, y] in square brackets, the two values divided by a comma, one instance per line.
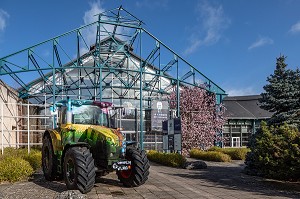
[90, 114]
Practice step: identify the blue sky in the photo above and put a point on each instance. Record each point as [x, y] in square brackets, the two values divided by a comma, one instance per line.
[235, 43]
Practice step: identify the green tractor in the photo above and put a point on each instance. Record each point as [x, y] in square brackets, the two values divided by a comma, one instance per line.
[83, 145]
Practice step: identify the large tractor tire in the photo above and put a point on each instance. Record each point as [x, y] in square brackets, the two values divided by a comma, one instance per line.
[79, 169]
[139, 172]
[49, 161]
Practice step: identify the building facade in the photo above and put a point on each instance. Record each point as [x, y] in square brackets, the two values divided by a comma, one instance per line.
[243, 118]
[21, 123]
[8, 110]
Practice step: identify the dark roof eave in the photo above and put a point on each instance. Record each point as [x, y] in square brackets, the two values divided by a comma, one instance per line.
[247, 118]
[242, 98]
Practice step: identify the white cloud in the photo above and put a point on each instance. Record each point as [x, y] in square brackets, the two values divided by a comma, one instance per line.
[195, 43]
[3, 18]
[89, 17]
[295, 28]
[212, 24]
[89, 33]
[241, 91]
[261, 41]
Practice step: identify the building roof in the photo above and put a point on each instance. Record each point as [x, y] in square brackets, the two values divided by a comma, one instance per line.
[245, 107]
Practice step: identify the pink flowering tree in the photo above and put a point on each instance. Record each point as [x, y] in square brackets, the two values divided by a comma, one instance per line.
[201, 118]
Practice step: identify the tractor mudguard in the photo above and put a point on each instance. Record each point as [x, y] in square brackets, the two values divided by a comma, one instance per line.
[56, 140]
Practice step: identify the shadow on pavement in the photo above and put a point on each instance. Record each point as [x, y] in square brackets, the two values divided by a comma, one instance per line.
[60, 186]
[57, 186]
[108, 181]
[233, 178]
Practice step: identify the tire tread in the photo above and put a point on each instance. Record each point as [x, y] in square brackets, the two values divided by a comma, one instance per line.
[84, 167]
[140, 170]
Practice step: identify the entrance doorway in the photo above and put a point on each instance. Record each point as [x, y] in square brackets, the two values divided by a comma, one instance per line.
[235, 142]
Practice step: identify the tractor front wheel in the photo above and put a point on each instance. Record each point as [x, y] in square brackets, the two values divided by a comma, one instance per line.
[79, 169]
[49, 162]
[139, 171]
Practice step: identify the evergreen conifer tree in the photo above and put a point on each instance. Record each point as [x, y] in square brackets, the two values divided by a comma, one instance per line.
[296, 111]
[282, 96]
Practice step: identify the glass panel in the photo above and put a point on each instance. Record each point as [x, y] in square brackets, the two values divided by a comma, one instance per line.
[89, 114]
[226, 129]
[236, 141]
[236, 129]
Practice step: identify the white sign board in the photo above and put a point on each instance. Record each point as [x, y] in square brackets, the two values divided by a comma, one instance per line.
[159, 113]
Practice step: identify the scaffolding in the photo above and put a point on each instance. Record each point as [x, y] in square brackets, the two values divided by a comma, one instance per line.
[23, 125]
[112, 59]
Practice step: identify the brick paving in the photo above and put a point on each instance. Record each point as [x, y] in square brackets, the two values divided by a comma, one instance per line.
[219, 180]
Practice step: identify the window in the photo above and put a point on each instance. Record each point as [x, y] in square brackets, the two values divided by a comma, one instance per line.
[63, 116]
[89, 114]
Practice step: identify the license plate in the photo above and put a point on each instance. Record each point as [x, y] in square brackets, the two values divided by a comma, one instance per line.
[122, 165]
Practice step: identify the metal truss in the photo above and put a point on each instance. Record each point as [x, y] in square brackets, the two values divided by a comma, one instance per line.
[120, 62]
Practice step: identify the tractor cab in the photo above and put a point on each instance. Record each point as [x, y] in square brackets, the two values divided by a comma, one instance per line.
[85, 112]
[81, 112]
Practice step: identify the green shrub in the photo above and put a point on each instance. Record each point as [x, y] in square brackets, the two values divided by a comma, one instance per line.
[13, 152]
[215, 148]
[234, 153]
[275, 153]
[14, 169]
[34, 157]
[17, 164]
[168, 159]
[216, 156]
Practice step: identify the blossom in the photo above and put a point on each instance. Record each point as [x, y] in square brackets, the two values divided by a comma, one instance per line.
[201, 118]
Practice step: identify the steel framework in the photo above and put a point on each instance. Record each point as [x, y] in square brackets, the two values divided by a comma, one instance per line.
[112, 59]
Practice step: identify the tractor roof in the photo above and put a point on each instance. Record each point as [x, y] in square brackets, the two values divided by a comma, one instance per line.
[83, 102]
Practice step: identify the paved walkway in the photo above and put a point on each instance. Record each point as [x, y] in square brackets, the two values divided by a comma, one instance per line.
[219, 180]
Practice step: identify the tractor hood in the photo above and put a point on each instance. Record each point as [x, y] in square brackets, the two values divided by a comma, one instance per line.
[94, 133]
[113, 135]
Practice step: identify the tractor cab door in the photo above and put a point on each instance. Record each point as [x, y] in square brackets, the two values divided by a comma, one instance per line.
[62, 121]
[115, 117]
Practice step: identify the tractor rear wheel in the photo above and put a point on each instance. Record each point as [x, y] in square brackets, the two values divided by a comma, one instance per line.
[139, 171]
[79, 169]
[49, 161]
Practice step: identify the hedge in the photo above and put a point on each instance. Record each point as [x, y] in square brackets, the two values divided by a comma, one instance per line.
[168, 159]
[234, 153]
[17, 164]
[216, 156]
